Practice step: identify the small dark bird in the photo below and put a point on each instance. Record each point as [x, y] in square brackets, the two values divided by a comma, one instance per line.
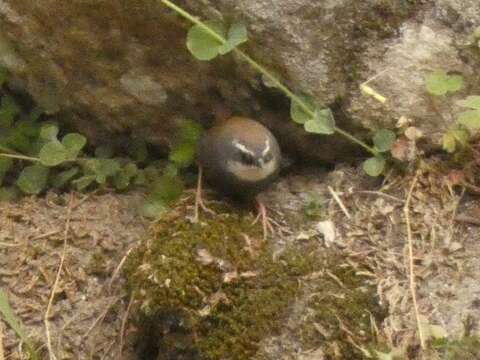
[240, 157]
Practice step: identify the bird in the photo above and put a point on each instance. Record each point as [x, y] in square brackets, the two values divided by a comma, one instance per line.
[239, 157]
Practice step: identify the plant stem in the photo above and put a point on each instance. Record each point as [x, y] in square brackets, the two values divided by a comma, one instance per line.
[20, 157]
[265, 72]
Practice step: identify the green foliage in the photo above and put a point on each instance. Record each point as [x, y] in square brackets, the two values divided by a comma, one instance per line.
[470, 118]
[165, 191]
[202, 44]
[374, 166]
[383, 140]
[440, 83]
[308, 112]
[209, 40]
[237, 35]
[455, 138]
[11, 319]
[182, 153]
[33, 179]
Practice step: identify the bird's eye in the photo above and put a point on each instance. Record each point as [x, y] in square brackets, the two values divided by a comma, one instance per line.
[247, 158]
[268, 157]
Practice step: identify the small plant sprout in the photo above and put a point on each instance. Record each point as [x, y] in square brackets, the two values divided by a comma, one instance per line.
[208, 39]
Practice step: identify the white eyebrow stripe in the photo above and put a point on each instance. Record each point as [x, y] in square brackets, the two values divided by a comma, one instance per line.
[267, 147]
[242, 147]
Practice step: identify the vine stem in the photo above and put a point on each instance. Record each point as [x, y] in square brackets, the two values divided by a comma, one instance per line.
[297, 100]
[20, 157]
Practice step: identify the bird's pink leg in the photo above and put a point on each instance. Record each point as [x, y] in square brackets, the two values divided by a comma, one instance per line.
[199, 199]
[266, 221]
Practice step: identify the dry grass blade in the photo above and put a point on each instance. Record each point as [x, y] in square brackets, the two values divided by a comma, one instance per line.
[406, 211]
[124, 323]
[51, 354]
[339, 202]
[2, 352]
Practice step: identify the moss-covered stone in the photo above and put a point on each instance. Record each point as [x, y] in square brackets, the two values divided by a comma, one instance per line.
[215, 290]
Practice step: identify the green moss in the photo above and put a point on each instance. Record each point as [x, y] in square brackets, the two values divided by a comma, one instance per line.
[187, 307]
[467, 348]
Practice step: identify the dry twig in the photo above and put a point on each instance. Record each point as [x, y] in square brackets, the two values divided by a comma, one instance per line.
[406, 211]
[339, 202]
[124, 323]
[51, 354]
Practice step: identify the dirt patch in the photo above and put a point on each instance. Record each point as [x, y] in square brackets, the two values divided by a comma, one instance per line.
[86, 313]
[342, 212]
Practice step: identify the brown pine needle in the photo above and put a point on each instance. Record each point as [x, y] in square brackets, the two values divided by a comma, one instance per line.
[406, 211]
[51, 354]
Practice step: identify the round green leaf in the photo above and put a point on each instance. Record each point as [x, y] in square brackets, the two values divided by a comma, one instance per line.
[322, 123]
[124, 176]
[53, 154]
[33, 179]
[74, 143]
[8, 111]
[153, 208]
[83, 182]
[439, 83]
[472, 102]
[62, 178]
[448, 142]
[384, 139]
[190, 131]
[470, 119]
[8, 193]
[298, 113]
[49, 132]
[183, 154]
[374, 166]
[203, 45]
[167, 188]
[237, 34]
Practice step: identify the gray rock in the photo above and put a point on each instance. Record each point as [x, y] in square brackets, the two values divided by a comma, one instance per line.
[120, 66]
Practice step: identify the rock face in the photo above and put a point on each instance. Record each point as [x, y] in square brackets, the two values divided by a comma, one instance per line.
[122, 66]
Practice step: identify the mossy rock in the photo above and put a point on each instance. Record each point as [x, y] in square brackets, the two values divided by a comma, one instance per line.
[215, 290]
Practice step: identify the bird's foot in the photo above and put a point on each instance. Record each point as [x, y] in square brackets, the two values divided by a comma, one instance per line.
[267, 222]
[199, 203]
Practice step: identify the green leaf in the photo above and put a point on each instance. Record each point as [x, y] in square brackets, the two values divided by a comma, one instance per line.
[8, 193]
[167, 188]
[470, 119]
[49, 132]
[124, 176]
[449, 143]
[62, 178]
[33, 179]
[83, 182]
[8, 111]
[106, 168]
[153, 208]
[140, 178]
[384, 139]
[439, 83]
[11, 319]
[170, 170]
[5, 165]
[462, 136]
[53, 154]
[74, 143]
[183, 154]
[374, 166]
[203, 45]
[190, 131]
[237, 34]
[298, 113]
[322, 123]
[472, 102]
